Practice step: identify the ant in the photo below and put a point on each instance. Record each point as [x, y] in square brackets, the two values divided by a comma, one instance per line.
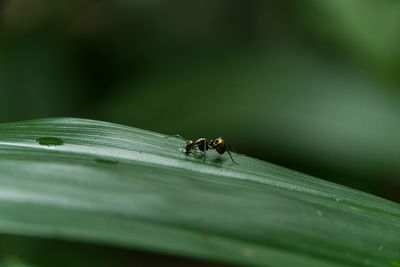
[219, 144]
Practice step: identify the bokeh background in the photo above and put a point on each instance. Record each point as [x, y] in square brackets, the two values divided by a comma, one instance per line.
[310, 85]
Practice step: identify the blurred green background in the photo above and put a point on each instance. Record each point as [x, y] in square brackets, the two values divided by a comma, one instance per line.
[310, 85]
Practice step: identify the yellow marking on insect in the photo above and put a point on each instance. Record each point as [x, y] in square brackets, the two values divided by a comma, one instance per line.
[219, 140]
[200, 140]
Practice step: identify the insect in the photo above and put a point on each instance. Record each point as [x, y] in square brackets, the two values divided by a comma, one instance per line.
[191, 145]
[202, 144]
[219, 144]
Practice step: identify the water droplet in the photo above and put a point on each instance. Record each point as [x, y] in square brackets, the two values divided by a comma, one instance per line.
[337, 199]
[50, 141]
[106, 161]
[319, 213]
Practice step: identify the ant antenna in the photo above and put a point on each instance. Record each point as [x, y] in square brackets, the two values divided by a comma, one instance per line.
[234, 150]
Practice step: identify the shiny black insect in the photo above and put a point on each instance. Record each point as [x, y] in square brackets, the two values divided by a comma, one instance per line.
[202, 144]
[221, 145]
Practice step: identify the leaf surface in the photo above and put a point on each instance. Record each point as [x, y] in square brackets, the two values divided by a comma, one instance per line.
[104, 183]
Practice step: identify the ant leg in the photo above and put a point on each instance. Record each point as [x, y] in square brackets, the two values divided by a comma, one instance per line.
[205, 149]
[232, 158]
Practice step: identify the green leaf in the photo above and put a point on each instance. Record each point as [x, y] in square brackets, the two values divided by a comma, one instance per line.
[111, 184]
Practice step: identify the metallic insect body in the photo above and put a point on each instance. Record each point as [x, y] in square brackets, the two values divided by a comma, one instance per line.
[220, 145]
[202, 144]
